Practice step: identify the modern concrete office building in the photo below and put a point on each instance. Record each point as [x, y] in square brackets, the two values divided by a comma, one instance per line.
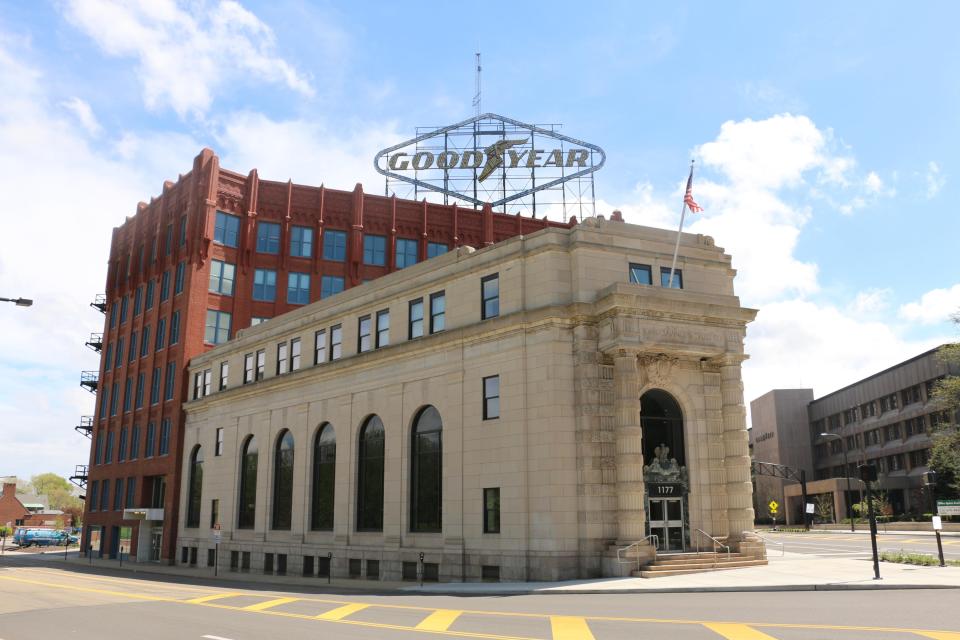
[885, 419]
[519, 411]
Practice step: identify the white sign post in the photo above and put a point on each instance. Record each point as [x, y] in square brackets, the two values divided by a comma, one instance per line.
[216, 535]
[937, 523]
[810, 508]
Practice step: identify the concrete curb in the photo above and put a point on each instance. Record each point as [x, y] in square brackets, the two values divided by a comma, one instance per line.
[728, 589]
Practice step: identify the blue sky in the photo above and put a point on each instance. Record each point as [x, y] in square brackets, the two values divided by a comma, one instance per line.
[825, 135]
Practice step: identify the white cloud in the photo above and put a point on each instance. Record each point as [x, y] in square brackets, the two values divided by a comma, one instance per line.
[185, 53]
[870, 302]
[84, 114]
[873, 182]
[935, 181]
[933, 307]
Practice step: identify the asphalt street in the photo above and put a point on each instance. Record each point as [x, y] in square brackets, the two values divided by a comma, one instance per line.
[40, 600]
[853, 544]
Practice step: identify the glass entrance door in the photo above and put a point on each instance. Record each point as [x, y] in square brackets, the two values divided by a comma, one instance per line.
[156, 542]
[666, 522]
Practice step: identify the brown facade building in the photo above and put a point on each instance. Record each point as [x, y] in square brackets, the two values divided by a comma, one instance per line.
[216, 252]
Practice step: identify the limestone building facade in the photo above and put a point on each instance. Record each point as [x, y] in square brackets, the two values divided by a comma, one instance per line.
[518, 412]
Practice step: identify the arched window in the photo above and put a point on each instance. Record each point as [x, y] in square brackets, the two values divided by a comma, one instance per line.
[324, 467]
[370, 476]
[426, 471]
[195, 487]
[662, 424]
[248, 483]
[283, 481]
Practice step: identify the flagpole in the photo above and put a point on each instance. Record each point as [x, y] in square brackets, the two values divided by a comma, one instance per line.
[676, 248]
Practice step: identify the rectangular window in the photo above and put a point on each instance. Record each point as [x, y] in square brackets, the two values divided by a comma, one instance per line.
[108, 358]
[133, 347]
[168, 245]
[491, 510]
[383, 328]
[155, 386]
[265, 285]
[491, 397]
[183, 231]
[178, 279]
[665, 278]
[127, 395]
[226, 229]
[137, 301]
[168, 389]
[104, 402]
[164, 286]
[640, 274]
[161, 334]
[207, 381]
[330, 285]
[135, 442]
[406, 253]
[438, 311]
[123, 308]
[248, 368]
[145, 342]
[218, 444]
[214, 513]
[320, 346]
[261, 363]
[151, 440]
[122, 445]
[268, 237]
[141, 387]
[218, 327]
[295, 354]
[164, 447]
[114, 398]
[113, 315]
[334, 245]
[435, 249]
[108, 456]
[301, 242]
[281, 358]
[131, 490]
[105, 495]
[224, 374]
[94, 495]
[117, 494]
[415, 321]
[298, 288]
[175, 328]
[364, 330]
[98, 457]
[148, 297]
[336, 342]
[222, 277]
[374, 250]
[490, 296]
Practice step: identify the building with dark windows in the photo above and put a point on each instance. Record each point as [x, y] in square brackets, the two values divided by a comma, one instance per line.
[216, 252]
[885, 420]
[521, 411]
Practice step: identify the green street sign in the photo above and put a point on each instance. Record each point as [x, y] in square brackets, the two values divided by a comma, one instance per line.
[948, 507]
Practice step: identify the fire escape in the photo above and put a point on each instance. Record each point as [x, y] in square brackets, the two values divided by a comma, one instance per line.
[95, 342]
[79, 477]
[90, 381]
[86, 426]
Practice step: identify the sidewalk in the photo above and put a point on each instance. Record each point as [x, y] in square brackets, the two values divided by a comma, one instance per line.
[790, 572]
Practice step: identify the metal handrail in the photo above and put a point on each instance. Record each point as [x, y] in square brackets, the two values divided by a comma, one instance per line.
[783, 546]
[656, 545]
[716, 543]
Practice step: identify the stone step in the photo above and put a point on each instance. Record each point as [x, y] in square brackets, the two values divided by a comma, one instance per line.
[644, 573]
[698, 559]
[671, 566]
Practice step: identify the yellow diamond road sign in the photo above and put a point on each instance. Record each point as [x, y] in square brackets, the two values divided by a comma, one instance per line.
[773, 505]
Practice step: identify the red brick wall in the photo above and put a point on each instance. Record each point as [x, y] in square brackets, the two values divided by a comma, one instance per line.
[11, 509]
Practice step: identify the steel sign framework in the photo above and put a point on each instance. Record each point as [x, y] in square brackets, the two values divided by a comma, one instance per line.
[516, 167]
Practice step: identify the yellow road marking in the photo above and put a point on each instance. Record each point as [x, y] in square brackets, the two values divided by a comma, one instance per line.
[342, 612]
[210, 598]
[737, 631]
[439, 620]
[124, 594]
[267, 604]
[149, 581]
[939, 635]
[569, 628]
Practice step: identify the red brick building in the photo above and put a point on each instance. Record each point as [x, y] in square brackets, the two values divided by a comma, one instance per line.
[12, 511]
[214, 253]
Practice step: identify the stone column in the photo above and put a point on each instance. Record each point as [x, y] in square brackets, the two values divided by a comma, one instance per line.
[736, 448]
[631, 516]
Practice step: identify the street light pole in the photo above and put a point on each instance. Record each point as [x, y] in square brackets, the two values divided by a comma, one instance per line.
[930, 481]
[20, 302]
[846, 473]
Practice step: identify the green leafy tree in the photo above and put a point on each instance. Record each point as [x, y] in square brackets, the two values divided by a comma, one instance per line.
[44, 483]
[945, 454]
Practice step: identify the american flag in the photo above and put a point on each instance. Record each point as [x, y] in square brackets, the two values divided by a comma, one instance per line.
[688, 196]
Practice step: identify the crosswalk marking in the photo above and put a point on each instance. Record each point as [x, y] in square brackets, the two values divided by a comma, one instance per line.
[939, 635]
[216, 596]
[268, 604]
[439, 620]
[570, 628]
[737, 631]
[342, 612]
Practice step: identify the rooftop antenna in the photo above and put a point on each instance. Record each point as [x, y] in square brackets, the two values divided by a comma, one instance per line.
[476, 95]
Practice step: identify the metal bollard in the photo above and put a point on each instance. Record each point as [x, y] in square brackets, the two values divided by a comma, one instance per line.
[329, 566]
